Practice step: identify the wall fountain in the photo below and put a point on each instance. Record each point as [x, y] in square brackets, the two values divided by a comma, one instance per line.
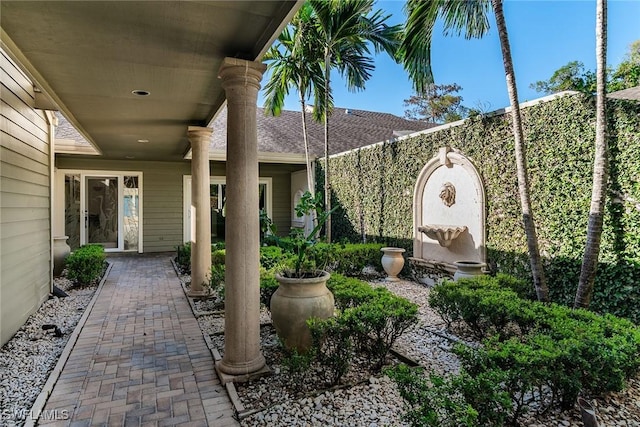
[449, 213]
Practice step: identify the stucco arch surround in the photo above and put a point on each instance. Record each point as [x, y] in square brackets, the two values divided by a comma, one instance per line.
[450, 168]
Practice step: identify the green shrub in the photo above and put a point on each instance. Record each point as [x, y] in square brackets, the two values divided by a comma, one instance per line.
[216, 280]
[485, 393]
[351, 259]
[349, 292]
[332, 346]
[297, 365]
[218, 257]
[270, 256]
[379, 322]
[183, 257]
[268, 285]
[285, 243]
[322, 255]
[459, 400]
[433, 401]
[487, 305]
[540, 346]
[86, 264]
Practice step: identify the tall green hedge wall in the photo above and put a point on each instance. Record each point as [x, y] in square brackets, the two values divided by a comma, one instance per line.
[374, 188]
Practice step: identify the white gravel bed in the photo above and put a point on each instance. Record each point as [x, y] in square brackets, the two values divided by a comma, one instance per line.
[28, 358]
[366, 405]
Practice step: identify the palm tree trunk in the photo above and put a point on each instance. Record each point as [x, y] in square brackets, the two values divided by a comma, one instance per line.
[305, 137]
[600, 167]
[537, 271]
[327, 182]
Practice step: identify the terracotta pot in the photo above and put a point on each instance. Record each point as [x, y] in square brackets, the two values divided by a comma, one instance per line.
[60, 252]
[468, 269]
[392, 262]
[294, 302]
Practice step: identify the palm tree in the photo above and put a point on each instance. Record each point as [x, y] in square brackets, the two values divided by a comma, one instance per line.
[470, 17]
[293, 62]
[345, 29]
[600, 167]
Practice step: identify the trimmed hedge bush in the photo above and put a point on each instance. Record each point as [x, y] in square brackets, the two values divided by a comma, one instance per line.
[349, 292]
[457, 401]
[379, 322]
[351, 259]
[86, 264]
[539, 345]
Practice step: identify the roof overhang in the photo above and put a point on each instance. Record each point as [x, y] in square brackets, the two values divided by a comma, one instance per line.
[88, 57]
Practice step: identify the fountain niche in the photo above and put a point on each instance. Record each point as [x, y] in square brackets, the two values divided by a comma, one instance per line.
[448, 212]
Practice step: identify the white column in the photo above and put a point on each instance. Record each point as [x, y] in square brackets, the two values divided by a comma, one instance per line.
[200, 208]
[242, 353]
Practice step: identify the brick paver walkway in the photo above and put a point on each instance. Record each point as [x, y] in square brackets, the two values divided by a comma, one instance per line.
[140, 359]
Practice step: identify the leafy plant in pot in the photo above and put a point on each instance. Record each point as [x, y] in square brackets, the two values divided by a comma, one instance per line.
[302, 293]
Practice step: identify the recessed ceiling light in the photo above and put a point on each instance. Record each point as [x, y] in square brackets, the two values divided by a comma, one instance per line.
[140, 92]
[142, 141]
[129, 157]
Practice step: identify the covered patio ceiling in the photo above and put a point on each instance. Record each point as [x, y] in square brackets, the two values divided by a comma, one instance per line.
[89, 57]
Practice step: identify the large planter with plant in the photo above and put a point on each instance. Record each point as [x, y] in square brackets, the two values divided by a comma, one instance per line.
[302, 293]
[295, 301]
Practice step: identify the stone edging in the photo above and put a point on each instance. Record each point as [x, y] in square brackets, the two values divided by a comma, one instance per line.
[42, 398]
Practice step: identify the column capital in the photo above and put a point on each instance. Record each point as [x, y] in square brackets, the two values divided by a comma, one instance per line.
[199, 133]
[234, 71]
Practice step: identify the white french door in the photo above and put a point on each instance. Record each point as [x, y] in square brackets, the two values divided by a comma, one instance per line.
[105, 208]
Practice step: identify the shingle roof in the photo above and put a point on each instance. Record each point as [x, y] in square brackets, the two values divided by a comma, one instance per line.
[65, 130]
[630, 93]
[348, 129]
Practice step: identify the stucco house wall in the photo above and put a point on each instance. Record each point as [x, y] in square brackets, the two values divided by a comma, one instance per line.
[25, 201]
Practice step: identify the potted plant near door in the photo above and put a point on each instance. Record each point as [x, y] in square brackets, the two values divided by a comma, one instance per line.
[302, 292]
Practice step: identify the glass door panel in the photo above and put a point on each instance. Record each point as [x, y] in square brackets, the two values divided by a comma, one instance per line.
[217, 199]
[101, 211]
[72, 210]
[131, 215]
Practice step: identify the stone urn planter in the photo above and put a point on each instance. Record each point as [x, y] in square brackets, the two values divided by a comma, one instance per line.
[294, 302]
[60, 251]
[467, 269]
[392, 262]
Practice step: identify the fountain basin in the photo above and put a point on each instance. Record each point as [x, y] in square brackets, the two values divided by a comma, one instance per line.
[444, 234]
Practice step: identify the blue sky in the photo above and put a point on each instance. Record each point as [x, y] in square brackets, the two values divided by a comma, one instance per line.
[544, 35]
